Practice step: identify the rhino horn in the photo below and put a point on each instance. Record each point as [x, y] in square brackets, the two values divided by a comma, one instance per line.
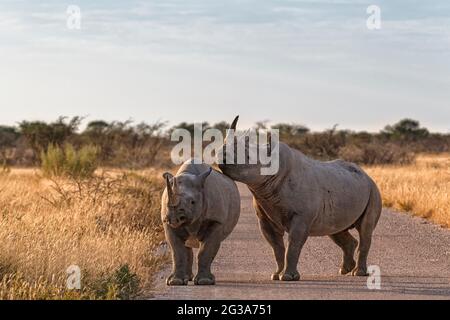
[232, 127]
[171, 188]
[234, 123]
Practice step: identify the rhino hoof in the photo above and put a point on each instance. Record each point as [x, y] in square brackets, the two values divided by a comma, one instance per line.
[173, 281]
[290, 276]
[275, 276]
[359, 272]
[205, 281]
[346, 269]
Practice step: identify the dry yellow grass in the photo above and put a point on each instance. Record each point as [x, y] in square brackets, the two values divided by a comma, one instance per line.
[109, 227]
[422, 188]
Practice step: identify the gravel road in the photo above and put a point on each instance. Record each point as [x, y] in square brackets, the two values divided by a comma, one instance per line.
[413, 256]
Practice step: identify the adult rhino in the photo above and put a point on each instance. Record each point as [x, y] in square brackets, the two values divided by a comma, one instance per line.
[306, 198]
[199, 205]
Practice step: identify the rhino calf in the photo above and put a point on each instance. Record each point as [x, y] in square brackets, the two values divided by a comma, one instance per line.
[199, 205]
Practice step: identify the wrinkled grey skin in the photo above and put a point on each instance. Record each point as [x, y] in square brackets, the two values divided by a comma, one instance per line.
[202, 205]
[311, 198]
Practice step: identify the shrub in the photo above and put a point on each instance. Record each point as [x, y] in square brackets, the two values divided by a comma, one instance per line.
[66, 161]
[376, 153]
[108, 225]
[40, 135]
[123, 284]
[122, 144]
[320, 145]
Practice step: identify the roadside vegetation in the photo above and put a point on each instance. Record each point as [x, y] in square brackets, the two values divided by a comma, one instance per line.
[108, 225]
[421, 188]
[136, 146]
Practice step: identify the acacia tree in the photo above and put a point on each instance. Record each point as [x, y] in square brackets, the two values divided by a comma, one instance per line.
[8, 139]
[123, 143]
[8, 136]
[189, 127]
[406, 129]
[39, 135]
[290, 129]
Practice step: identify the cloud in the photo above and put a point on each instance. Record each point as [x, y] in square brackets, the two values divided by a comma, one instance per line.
[266, 52]
[287, 29]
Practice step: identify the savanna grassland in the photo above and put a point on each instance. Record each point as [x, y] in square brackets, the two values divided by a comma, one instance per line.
[108, 225]
[421, 188]
[60, 207]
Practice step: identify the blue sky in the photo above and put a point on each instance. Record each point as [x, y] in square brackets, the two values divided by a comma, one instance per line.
[307, 61]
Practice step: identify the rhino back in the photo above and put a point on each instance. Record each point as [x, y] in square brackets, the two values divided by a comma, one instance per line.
[335, 192]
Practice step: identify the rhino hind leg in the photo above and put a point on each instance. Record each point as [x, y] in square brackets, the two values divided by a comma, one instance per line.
[365, 226]
[348, 245]
[275, 238]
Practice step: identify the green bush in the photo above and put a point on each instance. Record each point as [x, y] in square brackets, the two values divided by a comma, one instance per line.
[123, 284]
[66, 161]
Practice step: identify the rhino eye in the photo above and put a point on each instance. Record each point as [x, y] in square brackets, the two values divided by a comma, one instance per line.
[192, 202]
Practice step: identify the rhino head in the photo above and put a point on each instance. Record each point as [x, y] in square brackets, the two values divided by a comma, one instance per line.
[246, 168]
[185, 201]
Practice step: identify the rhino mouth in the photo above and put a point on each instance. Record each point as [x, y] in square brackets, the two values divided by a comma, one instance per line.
[178, 222]
[176, 225]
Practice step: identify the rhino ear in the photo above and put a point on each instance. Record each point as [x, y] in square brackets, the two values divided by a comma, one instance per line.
[269, 142]
[202, 177]
[171, 182]
[167, 176]
[272, 141]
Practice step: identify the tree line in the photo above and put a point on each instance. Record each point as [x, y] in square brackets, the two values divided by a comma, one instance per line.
[140, 145]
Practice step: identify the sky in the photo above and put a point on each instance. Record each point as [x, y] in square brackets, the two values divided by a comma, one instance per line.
[312, 62]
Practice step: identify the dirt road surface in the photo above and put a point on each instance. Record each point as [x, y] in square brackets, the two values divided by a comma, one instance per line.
[413, 256]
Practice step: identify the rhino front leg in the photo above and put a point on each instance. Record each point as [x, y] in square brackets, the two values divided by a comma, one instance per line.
[275, 239]
[180, 256]
[298, 233]
[208, 249]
